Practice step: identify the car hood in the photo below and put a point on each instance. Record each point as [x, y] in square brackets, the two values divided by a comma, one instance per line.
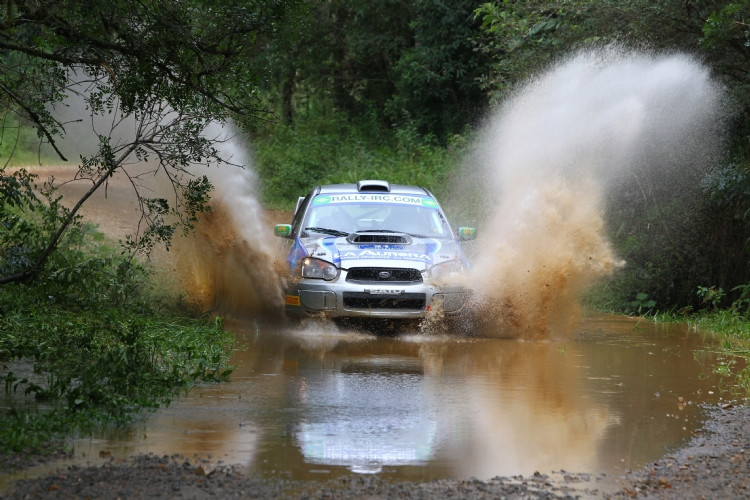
[409, 251]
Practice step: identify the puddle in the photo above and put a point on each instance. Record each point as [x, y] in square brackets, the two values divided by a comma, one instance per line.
[317, 403]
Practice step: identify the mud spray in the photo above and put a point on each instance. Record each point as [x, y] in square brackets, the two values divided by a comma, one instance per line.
[551, 156]
[229, 264]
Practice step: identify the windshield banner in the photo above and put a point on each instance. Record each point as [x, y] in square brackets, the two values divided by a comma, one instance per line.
[402, 199]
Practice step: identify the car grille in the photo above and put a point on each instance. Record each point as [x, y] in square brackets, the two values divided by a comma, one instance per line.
[383, 275]
[364, 300]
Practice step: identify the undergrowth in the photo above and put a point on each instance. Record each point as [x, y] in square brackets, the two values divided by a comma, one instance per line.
[326, 148]
[97, 346]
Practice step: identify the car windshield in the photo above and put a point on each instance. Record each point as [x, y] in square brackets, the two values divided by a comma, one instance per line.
[338, 215]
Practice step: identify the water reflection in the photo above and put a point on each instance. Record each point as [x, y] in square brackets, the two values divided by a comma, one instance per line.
[317, 402]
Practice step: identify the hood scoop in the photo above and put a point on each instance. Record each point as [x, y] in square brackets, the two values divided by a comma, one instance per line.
[378, 237]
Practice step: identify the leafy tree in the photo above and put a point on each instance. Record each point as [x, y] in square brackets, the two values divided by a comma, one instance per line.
[149, 77]
[399, 61]
[438, 77]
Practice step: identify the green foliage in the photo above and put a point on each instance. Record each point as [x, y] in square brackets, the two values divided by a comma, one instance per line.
[19, 144]
[742, 304]
[103, 347]
[521, 38]
[146, 79]
[324, 148]
[642, 304]
[711, 297]
[409, 63]
[437, 79]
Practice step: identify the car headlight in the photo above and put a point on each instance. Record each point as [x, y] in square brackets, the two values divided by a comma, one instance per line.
[319, 269]
[450, 269]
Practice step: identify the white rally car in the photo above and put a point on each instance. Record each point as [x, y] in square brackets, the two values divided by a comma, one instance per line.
[373, 249]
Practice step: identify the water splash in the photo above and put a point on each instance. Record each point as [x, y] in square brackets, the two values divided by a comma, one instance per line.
[550, 158]
[229, 265]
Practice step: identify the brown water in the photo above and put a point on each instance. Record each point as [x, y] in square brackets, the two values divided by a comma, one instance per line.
[317, 403]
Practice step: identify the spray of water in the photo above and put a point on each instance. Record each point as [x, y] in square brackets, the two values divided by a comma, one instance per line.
[229, 264]
[551, 157]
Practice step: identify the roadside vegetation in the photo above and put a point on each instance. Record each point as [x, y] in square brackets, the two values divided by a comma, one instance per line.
[325, 92]
[326, 148]
[89, 341]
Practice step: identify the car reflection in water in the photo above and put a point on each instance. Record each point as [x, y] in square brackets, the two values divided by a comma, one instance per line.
[372, 413]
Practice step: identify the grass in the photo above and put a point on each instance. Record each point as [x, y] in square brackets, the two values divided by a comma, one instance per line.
[733, 328]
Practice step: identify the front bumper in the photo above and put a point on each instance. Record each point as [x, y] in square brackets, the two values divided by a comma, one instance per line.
[393, 300]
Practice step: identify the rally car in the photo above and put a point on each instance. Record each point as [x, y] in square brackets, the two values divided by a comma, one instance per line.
[373, 249]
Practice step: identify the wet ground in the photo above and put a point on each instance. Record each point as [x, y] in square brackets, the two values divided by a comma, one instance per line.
[317, 403]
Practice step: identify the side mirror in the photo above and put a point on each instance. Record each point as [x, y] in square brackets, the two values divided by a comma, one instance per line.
[466, 233]
[283, 230]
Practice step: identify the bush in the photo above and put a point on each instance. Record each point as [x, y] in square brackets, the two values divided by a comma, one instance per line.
[328, 149]
[103, 349]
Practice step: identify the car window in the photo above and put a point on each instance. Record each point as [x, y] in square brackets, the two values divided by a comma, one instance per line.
[415, 215]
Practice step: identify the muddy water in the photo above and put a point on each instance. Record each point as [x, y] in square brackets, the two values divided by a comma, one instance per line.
[316, 403]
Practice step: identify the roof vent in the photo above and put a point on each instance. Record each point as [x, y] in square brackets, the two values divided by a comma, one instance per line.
[374, 186]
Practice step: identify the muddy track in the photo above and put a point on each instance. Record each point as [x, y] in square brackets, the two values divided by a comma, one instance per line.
[715, 464]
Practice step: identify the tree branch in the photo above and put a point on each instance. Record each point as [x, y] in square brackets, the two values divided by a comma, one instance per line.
[35, 117]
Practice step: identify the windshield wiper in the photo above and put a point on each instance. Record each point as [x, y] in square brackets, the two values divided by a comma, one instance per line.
[325, 230]
[380, 231]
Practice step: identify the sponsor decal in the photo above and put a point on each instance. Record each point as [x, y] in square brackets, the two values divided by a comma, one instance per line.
[385, 254]
[292, 300]
[332, 253]
[402, 199]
